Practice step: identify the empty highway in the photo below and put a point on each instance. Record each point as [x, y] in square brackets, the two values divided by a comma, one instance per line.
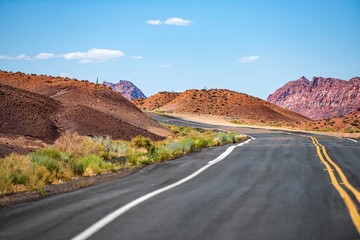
[277, 185]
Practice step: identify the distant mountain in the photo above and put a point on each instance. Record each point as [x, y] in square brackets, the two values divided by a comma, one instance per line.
[126, 88]
[224, 102]
[320, 98]
[155, 101]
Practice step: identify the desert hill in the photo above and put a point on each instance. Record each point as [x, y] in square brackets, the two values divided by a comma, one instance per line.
[229, 103]
[74, 93]
[127, 89]
[321, 98]
[155, 101]
[346, 124]
[37, 117]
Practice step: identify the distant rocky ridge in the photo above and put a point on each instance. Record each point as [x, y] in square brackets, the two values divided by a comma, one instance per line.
[126, 88]
[321, 98]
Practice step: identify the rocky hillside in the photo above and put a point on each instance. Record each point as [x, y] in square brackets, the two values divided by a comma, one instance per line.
[127, 89]
[321, 98]
[155, 101]
[229, 103]
[71, 92]
[37, 117]
[347, 124]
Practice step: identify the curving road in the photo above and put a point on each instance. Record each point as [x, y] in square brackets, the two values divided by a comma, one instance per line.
[280, 185]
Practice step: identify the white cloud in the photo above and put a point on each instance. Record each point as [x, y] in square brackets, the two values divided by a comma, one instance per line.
[137, 57]
[94, 54]
[177, 21]
[164, 65]
[249, 59]
[154, 22]
[18, 57]
[45, 56]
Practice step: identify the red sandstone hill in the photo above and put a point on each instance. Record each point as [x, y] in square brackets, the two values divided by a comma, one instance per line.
[75, 93]
[37, 117]
[155, 101]
[127, 89]
[320, 98]
[229, 103]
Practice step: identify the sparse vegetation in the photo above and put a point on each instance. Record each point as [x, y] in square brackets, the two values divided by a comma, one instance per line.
[73, 156]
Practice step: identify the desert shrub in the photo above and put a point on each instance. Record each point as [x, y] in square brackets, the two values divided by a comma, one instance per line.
[162, 154]
[50, 157]
[231, 137]
[202, 142]
[351, 130]
[239, 138]
[110, 148]
[187, 145]
[17, 170]
[140, 141]
[220, 138]
[78, 146]
[77, 166]
[145, 160]
[174, 148]
[132, 157]
[89, 165]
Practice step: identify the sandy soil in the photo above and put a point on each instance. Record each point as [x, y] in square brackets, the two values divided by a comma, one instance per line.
[225, 121]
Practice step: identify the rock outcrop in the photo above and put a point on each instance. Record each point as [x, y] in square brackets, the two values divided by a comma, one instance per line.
[321, 98]
[127, 89]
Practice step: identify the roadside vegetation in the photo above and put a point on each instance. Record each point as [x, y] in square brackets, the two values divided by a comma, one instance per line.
[73, 156]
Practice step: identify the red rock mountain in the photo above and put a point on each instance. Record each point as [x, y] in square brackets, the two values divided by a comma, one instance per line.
[127, 89]
[228, 103]
[320, 98]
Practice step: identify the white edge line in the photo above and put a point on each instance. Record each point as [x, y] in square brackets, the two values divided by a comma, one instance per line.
[112, 216]
[352, 139]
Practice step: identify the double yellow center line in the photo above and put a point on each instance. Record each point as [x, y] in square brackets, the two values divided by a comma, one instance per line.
[330, 164]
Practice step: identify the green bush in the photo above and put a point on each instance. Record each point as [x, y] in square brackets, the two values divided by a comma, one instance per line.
[93, 164]
[221, 138]
[187, 145]
[231, 138]
[50, 157]
[77, 166]
[140, 141]
[203, 142]
[132, 157]
[17, 170]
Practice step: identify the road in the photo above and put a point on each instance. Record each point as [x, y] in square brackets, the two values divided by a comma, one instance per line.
[277, 186]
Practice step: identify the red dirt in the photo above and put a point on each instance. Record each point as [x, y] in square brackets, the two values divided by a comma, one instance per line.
[155, 101]
[73, 92]
[229, 103]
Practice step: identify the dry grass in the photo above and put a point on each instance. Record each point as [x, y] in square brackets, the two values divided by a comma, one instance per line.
[73, 155]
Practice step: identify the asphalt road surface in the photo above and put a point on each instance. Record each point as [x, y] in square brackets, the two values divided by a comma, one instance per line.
[279, 185]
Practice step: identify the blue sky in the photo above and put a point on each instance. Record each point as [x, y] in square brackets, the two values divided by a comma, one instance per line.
[247, 46]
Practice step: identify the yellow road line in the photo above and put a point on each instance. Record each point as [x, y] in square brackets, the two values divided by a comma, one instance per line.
[354, 214]
[340, 172]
